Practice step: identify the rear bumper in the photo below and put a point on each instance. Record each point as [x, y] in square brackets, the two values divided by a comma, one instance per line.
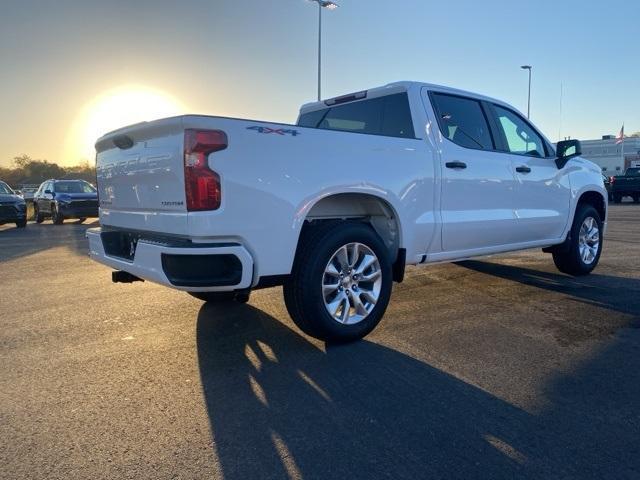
[626, 191]
[194, 268]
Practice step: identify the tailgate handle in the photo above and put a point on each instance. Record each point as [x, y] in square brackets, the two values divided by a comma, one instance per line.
[123, 142]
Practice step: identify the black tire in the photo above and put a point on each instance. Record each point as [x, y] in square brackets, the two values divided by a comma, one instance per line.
[56, 216]
[636, 199]
[303, 290]
[81, 220]
[617, 199]
[21, 224]
[37, 216]
[567, 256]
[221, 297]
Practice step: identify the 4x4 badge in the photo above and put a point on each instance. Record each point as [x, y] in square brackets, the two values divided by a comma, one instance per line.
[277, 131]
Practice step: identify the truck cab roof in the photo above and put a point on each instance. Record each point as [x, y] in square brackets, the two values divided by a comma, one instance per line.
[391, 88]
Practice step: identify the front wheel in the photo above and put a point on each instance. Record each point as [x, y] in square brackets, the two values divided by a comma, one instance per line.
[56, 215]
[340, 284]
[581, 252]
[21, 224]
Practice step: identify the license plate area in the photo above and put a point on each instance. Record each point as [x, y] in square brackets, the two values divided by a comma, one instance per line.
[120, 244]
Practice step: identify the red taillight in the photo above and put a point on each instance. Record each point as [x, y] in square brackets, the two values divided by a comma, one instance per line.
[202, 185]
[611, 179]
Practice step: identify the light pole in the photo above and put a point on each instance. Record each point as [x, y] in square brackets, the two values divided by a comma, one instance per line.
[331, 6]
[528, 67]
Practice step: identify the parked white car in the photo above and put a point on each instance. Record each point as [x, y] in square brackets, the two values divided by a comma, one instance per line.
[334, 207]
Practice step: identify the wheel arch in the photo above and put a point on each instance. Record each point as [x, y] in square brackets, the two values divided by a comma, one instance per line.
[596, 200]
[344, 206]
[587, 196]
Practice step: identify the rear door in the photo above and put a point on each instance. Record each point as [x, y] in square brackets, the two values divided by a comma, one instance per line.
[478, 185]
[543, 193]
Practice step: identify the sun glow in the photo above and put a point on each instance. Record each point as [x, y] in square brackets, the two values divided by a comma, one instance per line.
[114, 109]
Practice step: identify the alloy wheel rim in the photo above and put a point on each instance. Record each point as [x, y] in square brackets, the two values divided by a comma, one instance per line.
[351, 283]
[589, 240]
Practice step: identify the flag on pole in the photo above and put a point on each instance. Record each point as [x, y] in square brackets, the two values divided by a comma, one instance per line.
[620, 137]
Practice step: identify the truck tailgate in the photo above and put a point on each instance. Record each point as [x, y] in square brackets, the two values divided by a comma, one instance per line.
[140, 174]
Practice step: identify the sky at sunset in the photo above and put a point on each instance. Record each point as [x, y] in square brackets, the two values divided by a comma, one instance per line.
[71, 70]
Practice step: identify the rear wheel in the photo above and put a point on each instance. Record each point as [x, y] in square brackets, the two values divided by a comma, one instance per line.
[617, 199]
[636, 199]
[341, 281]
[80, 220]
[221, 297]
[21, 224]
[56, 216]
[581, 253]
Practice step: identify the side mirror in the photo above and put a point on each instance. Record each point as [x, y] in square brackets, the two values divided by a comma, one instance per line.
[566, 150]
[48, 192]
[18, 192]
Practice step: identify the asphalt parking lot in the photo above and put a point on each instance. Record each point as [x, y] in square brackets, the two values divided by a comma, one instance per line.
[493, 368]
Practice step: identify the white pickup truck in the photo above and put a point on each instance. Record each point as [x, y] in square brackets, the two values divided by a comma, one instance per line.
[335, 206]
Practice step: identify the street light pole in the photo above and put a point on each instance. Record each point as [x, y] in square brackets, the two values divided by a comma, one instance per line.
[528, 67]
[319, 48]
[331, 6]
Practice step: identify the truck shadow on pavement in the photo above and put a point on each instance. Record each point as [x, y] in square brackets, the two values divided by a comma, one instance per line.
[282, 406]
[620, 294]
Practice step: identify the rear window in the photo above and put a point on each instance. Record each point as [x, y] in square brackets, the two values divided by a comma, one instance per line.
[389, 115]
[633, 172]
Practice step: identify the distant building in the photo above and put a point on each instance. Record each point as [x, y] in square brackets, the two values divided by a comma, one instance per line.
[608, 155]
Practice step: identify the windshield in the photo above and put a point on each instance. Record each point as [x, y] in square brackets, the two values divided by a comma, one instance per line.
[73, 187]
[5, 189]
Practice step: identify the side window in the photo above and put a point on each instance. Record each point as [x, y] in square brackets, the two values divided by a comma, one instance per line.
[363, 117]
[396, 120]
[462, 121]
[521, 138]
[389, 115]
[312, 119]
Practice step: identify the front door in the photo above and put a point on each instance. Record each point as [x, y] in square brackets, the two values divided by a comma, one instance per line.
[45, 201]
[543, 193]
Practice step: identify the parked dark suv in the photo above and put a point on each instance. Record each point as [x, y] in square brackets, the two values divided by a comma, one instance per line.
[60, 199]
[13, 209]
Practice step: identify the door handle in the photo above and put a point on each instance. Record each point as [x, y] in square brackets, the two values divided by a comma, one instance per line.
[455, 165]
[523, 169]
